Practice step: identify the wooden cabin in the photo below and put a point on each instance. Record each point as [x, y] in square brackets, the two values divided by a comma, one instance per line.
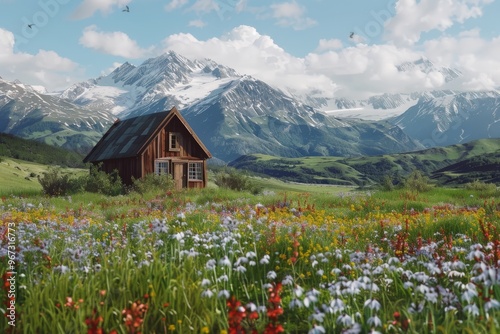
[160, 143]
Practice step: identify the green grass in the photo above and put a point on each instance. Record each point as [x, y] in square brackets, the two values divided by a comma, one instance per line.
[19, 177]
[370, 170]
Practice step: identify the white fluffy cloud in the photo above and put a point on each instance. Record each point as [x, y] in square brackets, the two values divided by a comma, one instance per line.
[412, 18]
[245, 50]
[88, 7]
[291, 14]
[45, 68]
[174, 4]
[355, 71]
[114, 43]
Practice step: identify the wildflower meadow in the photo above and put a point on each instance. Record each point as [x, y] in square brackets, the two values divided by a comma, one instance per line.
[206, 262]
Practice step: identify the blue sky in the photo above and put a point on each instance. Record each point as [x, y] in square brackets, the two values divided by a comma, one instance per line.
[301, 45]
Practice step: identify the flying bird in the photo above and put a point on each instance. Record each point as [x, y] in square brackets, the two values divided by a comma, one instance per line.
[351, 35]
[126, 9]
[31, 25]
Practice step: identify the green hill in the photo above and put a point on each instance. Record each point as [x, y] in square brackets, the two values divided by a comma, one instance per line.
[449, 165]
[38, 152]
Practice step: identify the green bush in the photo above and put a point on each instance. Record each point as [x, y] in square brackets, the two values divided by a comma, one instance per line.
[152, 182]
[417, 181]
[386, 183]
[54, 183]
[477, 185]
[232, 179]
[98, 181]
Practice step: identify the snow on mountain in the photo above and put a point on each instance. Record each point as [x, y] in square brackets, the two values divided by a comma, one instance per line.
[27, 113]
[387, 105]
[170, 77]
[452, 119]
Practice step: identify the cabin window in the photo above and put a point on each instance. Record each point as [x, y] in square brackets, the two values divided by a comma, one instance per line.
[195, 171]
[174, 141]
[162, 167]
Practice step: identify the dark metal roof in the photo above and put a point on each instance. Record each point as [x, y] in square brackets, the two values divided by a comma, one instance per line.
[126, 138]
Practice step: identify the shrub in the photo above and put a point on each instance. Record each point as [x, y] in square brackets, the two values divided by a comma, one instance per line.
[417, 181]
[481, 186]
[232, 179]
[153, 182]
[54, 183]
[98, 181]
[387, 183]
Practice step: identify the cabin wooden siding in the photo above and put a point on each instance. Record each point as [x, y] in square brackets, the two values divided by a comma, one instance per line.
[157, 146]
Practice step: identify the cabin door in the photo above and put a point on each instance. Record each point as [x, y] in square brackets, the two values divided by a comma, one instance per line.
[180, 179]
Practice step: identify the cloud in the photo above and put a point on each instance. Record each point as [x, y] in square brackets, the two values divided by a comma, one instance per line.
[205, 6]
[44, 68]
[476, 58]
[88, 7]
[329, 44]
[245, 50]
[291, 14]
[174, 4]
[197, 23]
[413, 18]
[114, 43]
[353, 71]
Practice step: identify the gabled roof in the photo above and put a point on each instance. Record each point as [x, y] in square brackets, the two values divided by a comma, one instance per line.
[128, 138]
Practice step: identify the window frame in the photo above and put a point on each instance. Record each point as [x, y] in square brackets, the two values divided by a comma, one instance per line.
[161, 170]
[174, 138]
[196, 174]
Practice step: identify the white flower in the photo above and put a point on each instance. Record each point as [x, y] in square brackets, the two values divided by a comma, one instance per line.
[317, 330]
[344, 320]
[271, 275]
[223, 278]
[372, 304]
[337, 305]
[211, 264]
[472, 309]
[205, 282]
[295, 303]
[265, 259]
[240, 269]
[225, 262]
[224, 294]
[288, 280]
[374, 321]
[251, 255]
[298, 291]
[207, 293]
[317, 316]
[491, 304]
[455, 273]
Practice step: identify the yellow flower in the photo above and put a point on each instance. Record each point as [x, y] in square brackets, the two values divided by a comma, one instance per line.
[205, 330]
[171, 327]
[223, 331]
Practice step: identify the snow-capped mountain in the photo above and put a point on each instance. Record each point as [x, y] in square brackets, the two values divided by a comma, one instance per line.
[389, 105]
[236, 114]
[233, 114]
[129, 90]
[453, 119]
[27, 113]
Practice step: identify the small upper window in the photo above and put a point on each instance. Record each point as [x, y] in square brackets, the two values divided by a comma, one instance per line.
[174, 141]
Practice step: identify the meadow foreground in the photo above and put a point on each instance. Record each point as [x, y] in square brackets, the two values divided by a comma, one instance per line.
[204, 262]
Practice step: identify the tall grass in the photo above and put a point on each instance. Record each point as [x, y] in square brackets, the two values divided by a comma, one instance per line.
[175, 261]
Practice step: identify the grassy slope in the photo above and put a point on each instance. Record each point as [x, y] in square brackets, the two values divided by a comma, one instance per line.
[20, 177]
[366, 170]
[34, 151]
